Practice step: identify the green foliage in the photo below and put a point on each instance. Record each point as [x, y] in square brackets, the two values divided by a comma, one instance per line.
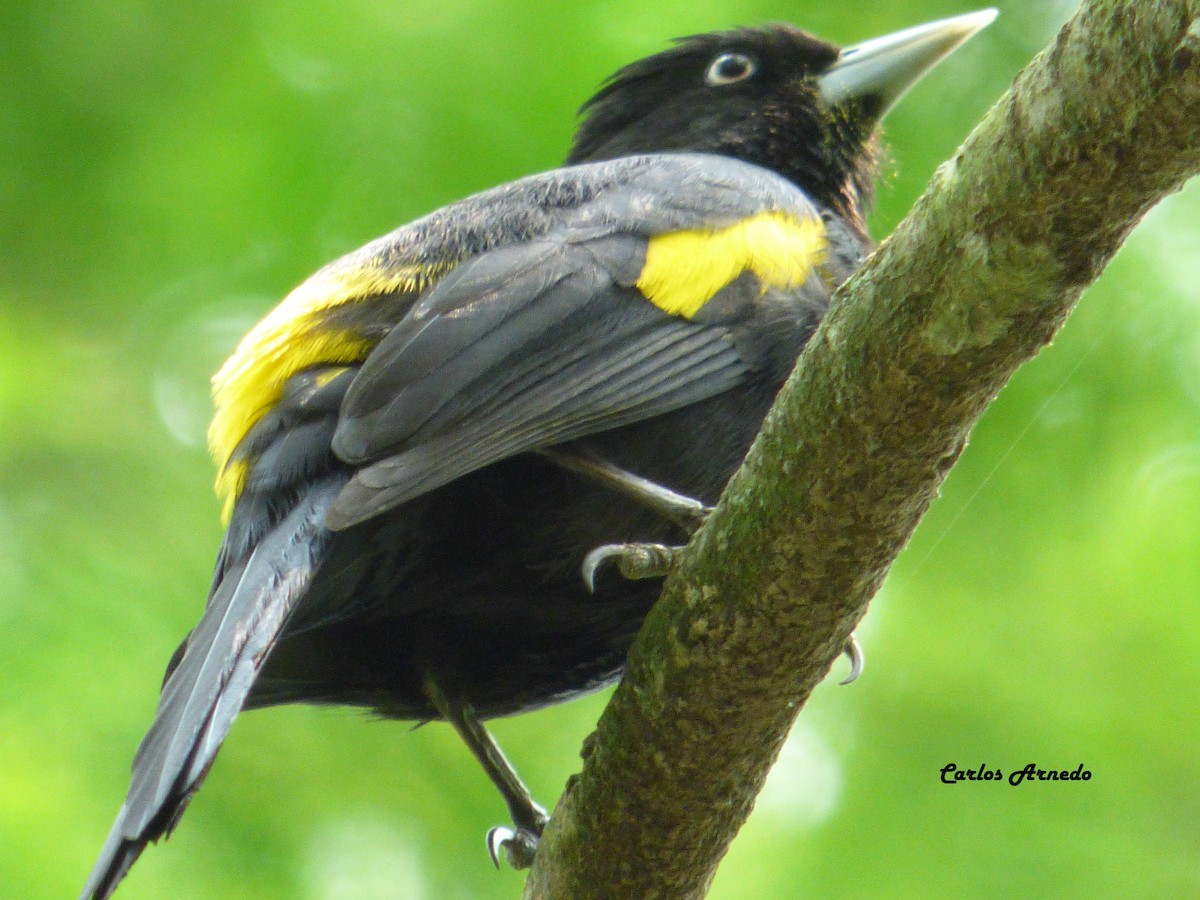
[171, 170]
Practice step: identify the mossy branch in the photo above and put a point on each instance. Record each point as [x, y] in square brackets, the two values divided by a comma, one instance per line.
[978, 278]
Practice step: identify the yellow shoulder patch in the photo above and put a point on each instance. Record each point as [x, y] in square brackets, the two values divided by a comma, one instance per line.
[684, 269]
[293, 337]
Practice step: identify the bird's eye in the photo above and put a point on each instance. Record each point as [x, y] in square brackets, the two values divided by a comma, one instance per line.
[729, 68]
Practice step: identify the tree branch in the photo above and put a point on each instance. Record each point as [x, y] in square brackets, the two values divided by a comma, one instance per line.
[976, 280]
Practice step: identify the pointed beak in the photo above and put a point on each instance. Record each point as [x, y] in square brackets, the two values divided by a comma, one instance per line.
[883, 69]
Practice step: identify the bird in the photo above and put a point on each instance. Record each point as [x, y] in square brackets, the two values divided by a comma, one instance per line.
[454, 463]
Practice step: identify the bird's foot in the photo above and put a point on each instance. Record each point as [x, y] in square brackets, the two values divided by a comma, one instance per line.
[633, 561]
[517, 845]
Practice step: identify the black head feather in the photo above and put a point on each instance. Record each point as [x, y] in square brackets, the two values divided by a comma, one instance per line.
[750, 93]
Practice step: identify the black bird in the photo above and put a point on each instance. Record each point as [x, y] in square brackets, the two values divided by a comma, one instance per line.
[421, 446]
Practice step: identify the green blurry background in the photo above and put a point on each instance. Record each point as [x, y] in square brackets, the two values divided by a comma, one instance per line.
[169, 170]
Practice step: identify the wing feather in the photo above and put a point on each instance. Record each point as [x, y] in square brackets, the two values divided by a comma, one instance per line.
[548, 339]
[208, 687]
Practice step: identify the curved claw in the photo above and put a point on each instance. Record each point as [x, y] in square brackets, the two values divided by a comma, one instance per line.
[518, 846]
[496, 839]
[636, 561]
[853, 652]
[595, 559]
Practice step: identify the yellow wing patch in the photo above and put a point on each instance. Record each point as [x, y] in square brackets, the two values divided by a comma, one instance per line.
[684, 269]
[294, 337]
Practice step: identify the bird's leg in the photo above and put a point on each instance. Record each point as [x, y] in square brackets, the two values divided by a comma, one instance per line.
[686, 512]
[644, 560]
[518, 843]
[633, 560]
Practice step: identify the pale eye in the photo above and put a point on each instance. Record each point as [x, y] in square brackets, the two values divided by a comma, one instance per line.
[729, 68]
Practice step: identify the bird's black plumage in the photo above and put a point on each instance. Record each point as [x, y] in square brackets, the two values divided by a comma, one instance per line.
[775, 118]
[396, 539]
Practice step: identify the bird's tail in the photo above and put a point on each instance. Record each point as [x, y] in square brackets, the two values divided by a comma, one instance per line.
[224, 653]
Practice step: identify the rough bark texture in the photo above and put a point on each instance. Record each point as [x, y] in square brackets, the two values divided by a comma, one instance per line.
[986, 268]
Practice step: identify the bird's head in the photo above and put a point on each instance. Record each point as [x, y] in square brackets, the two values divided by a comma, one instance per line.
[775, 96]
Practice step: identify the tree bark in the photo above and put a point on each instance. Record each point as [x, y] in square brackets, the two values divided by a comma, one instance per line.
[978, 278]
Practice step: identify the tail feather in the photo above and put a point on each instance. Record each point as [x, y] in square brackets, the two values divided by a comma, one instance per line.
[208, 688]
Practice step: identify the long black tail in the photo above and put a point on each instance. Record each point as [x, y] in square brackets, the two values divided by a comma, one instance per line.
[204, 693]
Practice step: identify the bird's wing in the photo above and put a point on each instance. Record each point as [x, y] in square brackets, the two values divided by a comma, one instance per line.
[605, 319]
